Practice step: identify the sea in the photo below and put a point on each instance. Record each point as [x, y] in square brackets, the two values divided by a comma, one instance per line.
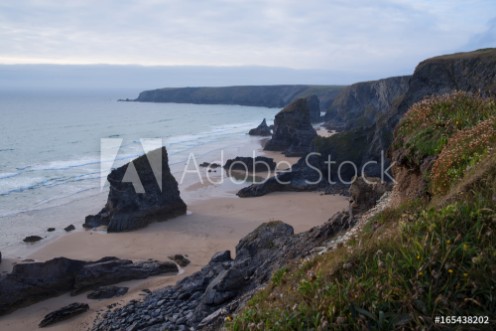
[51, 141]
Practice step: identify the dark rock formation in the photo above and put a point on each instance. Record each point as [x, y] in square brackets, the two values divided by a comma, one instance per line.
[205, 298]
[259, 163]
[314, 108]
[50, 229]
[112, 270]
[32, 282]
[301, 177]
[274, 96]
[359, 105]
[365, 192]
[0, 257]
[106, 292]
[209, 165]
[470, 72]
[64, 313]
[261, 130]
[127, 209]
[32, 239]
[69, 228]
[293, 133]
[180, 259]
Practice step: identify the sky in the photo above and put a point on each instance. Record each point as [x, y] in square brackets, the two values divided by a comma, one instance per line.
[343, 39]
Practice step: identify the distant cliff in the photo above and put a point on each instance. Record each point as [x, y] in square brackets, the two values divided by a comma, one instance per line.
[274, 96]
[371, 110]
[360, 104]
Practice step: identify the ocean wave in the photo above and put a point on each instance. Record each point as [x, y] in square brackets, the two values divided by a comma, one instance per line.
[8, 175]
[63, 165]
[7, 150]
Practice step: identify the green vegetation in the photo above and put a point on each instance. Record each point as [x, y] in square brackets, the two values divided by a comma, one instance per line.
[411, 262]
[427, 126]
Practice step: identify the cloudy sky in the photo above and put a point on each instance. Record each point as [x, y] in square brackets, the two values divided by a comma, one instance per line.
[374, 38]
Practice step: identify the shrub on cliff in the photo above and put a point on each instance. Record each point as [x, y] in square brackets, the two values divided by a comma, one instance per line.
[427, 126]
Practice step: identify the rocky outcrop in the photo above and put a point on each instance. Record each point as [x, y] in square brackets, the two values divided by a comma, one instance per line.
[301, 177]
[31, 282]
[106, 292]
[275, 96]
[261, 130]
[180, 259]
[70, 228]
[257, 164]
[141, 192]
[293, 132]
[314, 108]
[205, 298]
[365, 192]
[64, 313]
[32, 239]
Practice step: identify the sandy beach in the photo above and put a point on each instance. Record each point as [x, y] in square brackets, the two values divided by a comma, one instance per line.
[216, 220]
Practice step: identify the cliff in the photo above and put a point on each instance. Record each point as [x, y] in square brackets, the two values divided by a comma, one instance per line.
[373, 109]
[429, 253]
[274, 96]
[360, 104]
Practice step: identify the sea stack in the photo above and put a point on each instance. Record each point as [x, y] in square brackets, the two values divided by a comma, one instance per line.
[141, 191]
[262, 130]
[313, 103]
[293, 132]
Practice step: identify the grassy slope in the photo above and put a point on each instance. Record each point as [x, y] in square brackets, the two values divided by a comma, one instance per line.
[422, 259]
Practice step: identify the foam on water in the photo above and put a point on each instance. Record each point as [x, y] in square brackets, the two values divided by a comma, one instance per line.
[54, 157]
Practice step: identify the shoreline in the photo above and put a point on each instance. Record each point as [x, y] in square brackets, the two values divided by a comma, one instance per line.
[216, 220]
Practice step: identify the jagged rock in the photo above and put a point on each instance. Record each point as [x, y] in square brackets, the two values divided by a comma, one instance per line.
[301, 177]
[32, 239]
[181, 260]
[202, 300]
[314, 108]
[366, 191]
[32, 282]
[50, 229]
[293, 132]
[64, 313]
[259, 163]
[106, 292]
[261, 130]
[69, 228]
[127, 209]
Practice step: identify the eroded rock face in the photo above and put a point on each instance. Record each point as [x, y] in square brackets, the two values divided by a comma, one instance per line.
[313, 103]
[127, 209]
[359, 105]
[293, 132]
[31, 282]
[262, 130]
[365, 192]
